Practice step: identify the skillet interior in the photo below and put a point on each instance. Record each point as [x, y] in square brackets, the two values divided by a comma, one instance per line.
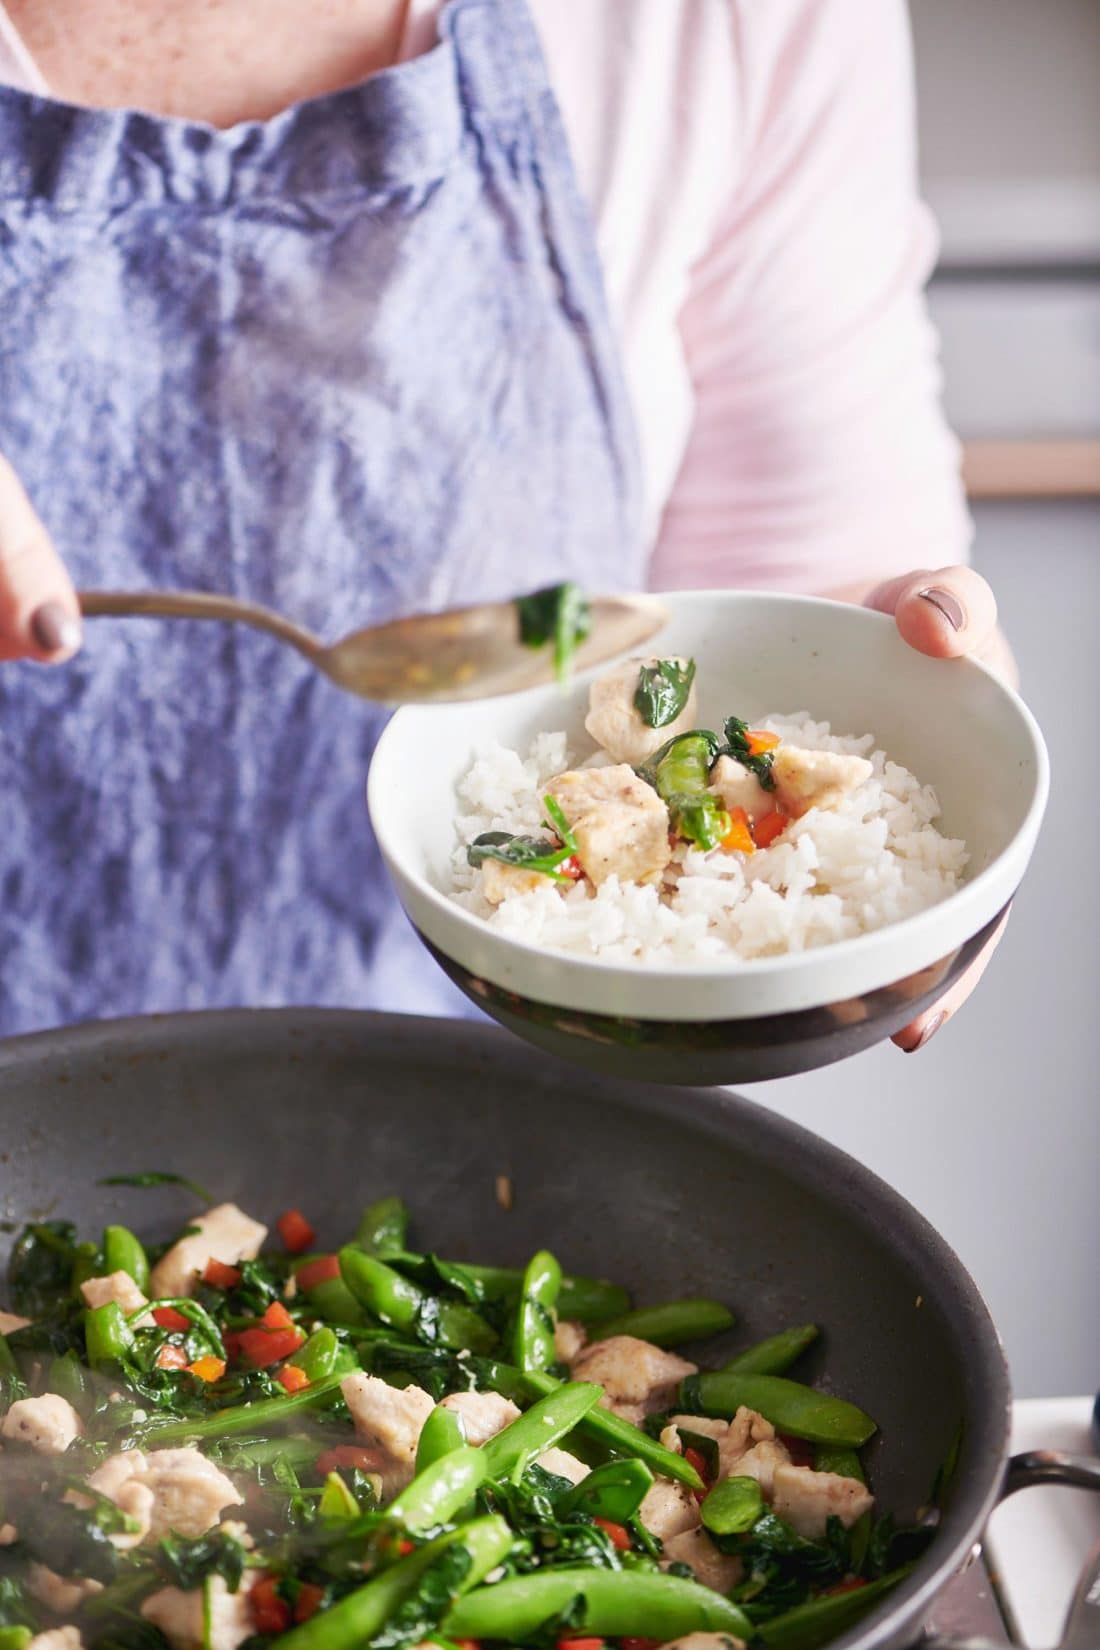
[667, 1192]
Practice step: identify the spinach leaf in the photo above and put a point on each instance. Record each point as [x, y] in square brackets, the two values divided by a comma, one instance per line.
[186, 1562]
[71, 1540]
[662, 691]
[157, 1177]
[530, 853]
[16, 1609]
[41, 1266]
[737, 745]
[418, 1615]
[559, 614]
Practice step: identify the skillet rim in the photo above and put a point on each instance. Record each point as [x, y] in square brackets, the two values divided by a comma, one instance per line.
[715, 1113]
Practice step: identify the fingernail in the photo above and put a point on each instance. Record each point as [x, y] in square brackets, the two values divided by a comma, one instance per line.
[947, 604]
[929, 1031]
[55, 630]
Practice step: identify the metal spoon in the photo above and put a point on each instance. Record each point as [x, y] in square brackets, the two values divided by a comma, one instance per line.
[436, 658]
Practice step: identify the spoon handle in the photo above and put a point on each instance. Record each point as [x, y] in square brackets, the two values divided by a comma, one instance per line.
[195, 604]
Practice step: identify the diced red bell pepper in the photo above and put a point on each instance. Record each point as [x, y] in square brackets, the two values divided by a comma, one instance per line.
[207, 1368]
[353, 1456]
[852, 1585]
[264, 1347]
[571, 868]
[292, 1379]
[580, 1644]
[321, 1270]
[639, 1644]
[620, 1535]
[296, 1232]
[270, 1612]
[405, 1546]
[221, 1276]
[771, 826]
[801, 1453]
[696, 1459]
[231, 1340]
[166, 1317]
[308, 1602]
[171, 1357]
[277, 1317]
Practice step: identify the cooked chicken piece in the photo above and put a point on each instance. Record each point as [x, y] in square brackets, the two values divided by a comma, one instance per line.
[569, 1338]
[614, 722]
[562, 1465]
[620, 823]
[815, 779]
[668, 1509]
[733, 1438]
[389, 1420]
[638, 1379]
[11, 1321]
[225, 1233]
[499, 882]
[209, 1616]
[57, 1638]
[761, 1463]
[808, 1499]
[49, 1423]
[712, 1568]
[8, 1535]
[60, 1594]
[120, 1288]
[189, 1492]
[738, 787]
[704, 1641]
[483, 1414]
[118, 1478]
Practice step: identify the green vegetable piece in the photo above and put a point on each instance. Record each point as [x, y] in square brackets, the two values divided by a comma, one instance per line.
[672, 1323]
[156, 1177]
[529, 853]
[122, 1252]
[87, 1263]
[614, 1491]
[247, 1418]
[441, 1490]
[737, 745]
[337, 1504]
[625, 1439]
[355, 1619]
[775, 1355]
[405, 1306]
[559, 614]
[533, 1340]
[662, 691]
[839, 1459]
[701, 820]
[333, 1300]
[8, 1365]
[15, 1638]
[680, 773]
[587, 1299]
[383, 1226]
[107, 1336]
[732, 1506]
[441, 1433]
[790, 1407]
[546, 1423]
[318, 1355]
[66, 1378]
[617, 1604]
[808, 1625]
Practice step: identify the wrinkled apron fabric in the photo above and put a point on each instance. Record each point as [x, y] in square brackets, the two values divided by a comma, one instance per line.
[352, 362]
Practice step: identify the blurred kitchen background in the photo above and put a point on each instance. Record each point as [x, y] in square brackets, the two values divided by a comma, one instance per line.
[993, 1131]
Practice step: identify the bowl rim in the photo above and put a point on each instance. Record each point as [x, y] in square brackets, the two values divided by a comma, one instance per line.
[921, 935]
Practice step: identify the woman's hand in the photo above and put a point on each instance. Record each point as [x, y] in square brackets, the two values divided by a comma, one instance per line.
[39, 615]
[947, 613]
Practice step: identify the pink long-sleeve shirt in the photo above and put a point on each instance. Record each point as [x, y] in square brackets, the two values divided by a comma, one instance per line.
[751, 173]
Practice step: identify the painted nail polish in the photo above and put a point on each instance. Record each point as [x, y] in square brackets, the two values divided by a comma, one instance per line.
[946, 603]
[55, 630]
[929, 1031]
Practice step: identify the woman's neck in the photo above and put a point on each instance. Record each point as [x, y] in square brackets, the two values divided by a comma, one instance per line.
[218, 61]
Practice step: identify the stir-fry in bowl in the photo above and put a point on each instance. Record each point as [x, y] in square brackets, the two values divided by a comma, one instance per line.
[768, 843]
[220, 1441]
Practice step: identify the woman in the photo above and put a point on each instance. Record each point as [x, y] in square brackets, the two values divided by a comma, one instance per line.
[424, 304]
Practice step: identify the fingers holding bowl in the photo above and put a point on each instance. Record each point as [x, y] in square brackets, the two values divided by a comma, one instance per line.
[947, 612]
[920, 1031]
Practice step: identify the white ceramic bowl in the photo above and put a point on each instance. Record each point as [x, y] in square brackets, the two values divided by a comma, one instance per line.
[953, 723]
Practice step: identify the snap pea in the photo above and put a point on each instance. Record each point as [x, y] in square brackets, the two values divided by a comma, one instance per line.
[317, 1356]
[837, 1458]
[670, 1324]
[383, 1226]
[87, 1263]
[122, 1252]
[617, 1603]
[533, 1338]
[405, 1306]
[108, 1338]
[441, 1490]
[355, 1619]
[775, 1355]
[790, 1407]
[544, 1424]
[809, 1625]
[732, 1506]
[66, 1378]
[337, 1503]
[441, 1433]
[333, 1300]
[254, 1417]
[614, 1491]
[586, 1299]
[625, 1439]
[262, 1452]
[15, 1638]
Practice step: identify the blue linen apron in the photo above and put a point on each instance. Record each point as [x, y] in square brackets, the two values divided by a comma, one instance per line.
[353, 362]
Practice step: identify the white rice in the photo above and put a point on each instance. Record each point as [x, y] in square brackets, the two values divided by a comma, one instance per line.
[832, 875]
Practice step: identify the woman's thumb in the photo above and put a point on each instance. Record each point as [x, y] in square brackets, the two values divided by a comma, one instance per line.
[39, 613]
